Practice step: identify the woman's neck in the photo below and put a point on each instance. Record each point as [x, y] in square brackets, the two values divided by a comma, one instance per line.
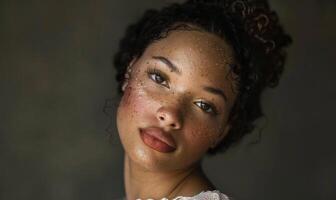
[141, 183]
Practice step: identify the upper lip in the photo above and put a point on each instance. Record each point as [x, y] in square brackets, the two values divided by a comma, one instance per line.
[159, 134]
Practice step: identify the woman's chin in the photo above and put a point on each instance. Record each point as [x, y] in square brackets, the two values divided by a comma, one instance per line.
[150, 159]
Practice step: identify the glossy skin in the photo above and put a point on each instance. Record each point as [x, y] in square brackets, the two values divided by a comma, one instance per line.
[176, 101]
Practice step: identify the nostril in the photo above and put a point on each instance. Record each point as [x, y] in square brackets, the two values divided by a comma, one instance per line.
[161, 118]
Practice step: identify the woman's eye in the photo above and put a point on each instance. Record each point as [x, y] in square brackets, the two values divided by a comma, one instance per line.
[157, 77]
[206, 107]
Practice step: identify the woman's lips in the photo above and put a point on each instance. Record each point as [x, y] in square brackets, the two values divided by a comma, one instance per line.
[157, 139]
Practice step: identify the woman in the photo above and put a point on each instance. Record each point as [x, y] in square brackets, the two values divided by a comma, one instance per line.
[191, 76]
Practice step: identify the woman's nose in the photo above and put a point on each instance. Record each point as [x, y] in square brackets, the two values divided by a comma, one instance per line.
[170, 117]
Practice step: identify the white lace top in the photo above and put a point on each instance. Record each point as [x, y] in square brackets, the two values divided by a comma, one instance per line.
[208, 195]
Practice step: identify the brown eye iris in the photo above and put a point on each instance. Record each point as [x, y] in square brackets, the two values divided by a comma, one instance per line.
[206, 107]
[157, 77]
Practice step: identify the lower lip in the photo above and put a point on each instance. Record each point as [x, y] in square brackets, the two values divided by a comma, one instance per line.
[156, 144]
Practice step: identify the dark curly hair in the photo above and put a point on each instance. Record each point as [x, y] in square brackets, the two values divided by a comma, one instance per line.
[249, 26]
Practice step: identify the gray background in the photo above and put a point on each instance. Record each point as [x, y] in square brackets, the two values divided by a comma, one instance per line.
[56, 72]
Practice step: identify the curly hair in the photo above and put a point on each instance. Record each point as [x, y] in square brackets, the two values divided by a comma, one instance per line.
[250, 27]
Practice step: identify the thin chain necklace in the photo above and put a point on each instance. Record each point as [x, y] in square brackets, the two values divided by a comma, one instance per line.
[175, 187]
[178, 184]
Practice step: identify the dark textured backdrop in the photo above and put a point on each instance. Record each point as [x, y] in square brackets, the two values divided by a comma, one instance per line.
[56, 72]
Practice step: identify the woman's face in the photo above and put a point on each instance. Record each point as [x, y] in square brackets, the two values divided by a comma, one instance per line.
[176, 103]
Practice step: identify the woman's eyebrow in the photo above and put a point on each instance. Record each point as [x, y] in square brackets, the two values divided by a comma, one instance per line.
[173, 68]
[215, 91]
[168, 63]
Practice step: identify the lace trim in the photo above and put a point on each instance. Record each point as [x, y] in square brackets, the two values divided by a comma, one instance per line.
[204, 195]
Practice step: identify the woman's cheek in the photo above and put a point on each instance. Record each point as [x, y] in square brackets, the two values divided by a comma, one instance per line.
[202, 136]
[138, 99]
[134, 101]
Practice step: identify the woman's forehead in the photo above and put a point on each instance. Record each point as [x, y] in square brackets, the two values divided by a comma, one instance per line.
[193, 51]
[203, 59]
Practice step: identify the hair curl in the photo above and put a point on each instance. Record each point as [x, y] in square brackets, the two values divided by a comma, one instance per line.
[249, 26]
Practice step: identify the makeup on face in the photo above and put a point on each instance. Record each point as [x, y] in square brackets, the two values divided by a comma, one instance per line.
[157, 139]
[174, 79]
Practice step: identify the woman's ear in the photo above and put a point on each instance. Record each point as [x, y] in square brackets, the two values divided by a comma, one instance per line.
[221, 136]
[127, 74]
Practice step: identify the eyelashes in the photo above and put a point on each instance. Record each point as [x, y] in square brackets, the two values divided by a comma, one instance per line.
[160, 78]
[207, 107]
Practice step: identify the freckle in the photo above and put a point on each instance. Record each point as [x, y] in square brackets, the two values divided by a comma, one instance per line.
[193, 133]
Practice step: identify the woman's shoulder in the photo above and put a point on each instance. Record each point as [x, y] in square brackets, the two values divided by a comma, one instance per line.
[205, 195]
